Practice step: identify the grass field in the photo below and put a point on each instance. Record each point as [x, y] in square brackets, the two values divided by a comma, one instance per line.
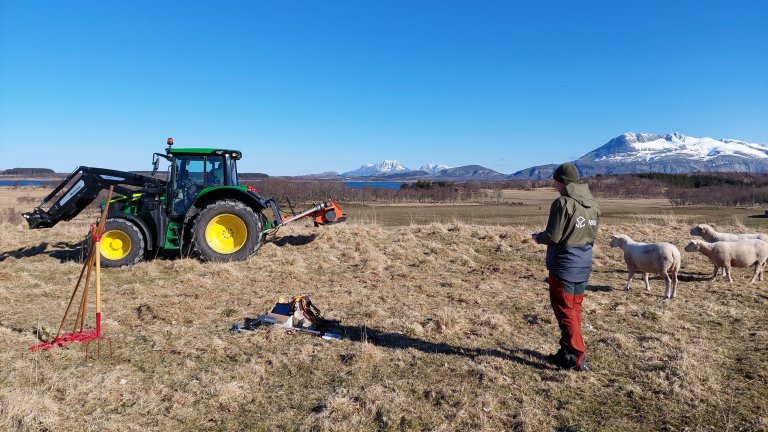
[446, 321]
[532, 207]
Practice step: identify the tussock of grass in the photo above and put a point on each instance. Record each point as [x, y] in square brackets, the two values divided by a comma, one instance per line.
[11, 216]
[446, 326]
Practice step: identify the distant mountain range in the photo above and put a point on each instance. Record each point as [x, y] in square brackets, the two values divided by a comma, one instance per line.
[433, 168]
[393, 167]
[394, 170]
[629, 153]
[673, 153]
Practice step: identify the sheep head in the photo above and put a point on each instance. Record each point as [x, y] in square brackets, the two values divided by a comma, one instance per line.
[619, 240]
[699, 230]
[692, 246]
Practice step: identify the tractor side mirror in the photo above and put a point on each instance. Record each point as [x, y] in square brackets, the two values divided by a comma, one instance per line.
[156, 161]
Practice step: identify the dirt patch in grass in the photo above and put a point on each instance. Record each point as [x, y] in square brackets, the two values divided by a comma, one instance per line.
[446, 326]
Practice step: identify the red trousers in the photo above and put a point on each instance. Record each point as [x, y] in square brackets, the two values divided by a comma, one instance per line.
[566, 298]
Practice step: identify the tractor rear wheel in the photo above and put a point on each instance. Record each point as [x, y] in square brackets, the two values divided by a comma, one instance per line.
[121, 244]
[227, 230]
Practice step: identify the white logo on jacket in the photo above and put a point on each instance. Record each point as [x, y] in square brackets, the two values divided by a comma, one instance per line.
[580, 222]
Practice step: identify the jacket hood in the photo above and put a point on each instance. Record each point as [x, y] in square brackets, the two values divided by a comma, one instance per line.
[580, 192]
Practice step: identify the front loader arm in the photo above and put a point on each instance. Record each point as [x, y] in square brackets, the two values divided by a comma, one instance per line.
[80, 188]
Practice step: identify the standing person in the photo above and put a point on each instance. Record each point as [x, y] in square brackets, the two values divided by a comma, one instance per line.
[569, 236]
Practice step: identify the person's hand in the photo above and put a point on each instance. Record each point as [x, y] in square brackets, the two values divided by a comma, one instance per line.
[535, 237]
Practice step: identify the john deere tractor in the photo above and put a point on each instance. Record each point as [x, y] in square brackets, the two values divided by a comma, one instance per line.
[200, 208]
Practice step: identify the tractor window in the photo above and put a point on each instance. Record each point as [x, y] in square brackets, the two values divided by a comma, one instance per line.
[188, 182]
[190, 169]
[192, 174]
[215, 174]
[233, 173]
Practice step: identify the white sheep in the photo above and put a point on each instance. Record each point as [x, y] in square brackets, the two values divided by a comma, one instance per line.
[709, 234]
[727, 254]
[660, 258]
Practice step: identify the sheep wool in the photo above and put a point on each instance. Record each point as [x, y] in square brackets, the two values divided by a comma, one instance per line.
[727, 254]
[659, 258]
[709, 234]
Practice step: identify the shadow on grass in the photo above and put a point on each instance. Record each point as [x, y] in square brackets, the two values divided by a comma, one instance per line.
[598, 288]
[294, 240]
[62, 251]
[168, 255]
[394, 340]
[621, 270]
[689, 277]
[694, 277]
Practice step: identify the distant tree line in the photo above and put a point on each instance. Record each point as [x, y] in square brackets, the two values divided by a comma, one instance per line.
[425, 184]
[252, 176]
[695, 181]
[715, 189]
[28, 172]
[626, 186]
[304, 191]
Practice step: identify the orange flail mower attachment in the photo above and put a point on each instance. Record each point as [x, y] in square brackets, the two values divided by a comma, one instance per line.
[325, 213]
[330, 214]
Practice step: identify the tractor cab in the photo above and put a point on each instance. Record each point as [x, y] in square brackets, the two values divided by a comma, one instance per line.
[193, 170]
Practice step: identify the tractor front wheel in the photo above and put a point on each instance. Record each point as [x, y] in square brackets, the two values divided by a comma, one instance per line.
[121, 244]
[226, 230]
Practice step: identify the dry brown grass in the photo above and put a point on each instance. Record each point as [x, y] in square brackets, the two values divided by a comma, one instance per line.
[446, 327]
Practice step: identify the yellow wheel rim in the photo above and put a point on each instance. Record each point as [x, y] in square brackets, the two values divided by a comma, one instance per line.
[115, 245]
[226, 233]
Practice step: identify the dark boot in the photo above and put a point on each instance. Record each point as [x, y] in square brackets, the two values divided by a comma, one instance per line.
[565, 360]
[583, 365]
[559, 359]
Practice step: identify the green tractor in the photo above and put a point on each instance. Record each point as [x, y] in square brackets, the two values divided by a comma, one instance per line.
[201, 208]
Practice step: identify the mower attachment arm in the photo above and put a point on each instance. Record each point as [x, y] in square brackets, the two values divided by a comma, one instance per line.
[325, 213]
[80, 188]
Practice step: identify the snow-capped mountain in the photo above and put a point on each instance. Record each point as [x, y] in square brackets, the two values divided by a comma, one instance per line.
[668, 153]
[432, 168]
[394, 170]
[632, 147]
[382, 168]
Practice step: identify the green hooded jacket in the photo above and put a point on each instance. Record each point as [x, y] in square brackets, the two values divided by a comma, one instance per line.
[573, 218]
[570, 233]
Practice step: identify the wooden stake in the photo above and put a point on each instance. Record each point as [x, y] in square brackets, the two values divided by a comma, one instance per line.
[94, 253]
[77, 285]
[84, 300]
[98, 285]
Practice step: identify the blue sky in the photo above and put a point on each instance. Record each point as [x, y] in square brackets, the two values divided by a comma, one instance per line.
[311, 86]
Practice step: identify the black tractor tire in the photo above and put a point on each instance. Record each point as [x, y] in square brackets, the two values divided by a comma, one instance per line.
[122, 243]
[227, 230]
